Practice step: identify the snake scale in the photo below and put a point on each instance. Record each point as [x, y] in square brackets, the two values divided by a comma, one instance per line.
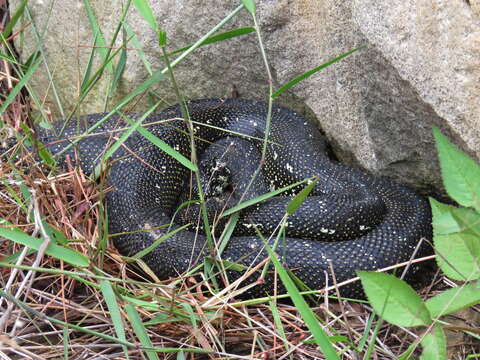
[350, 221]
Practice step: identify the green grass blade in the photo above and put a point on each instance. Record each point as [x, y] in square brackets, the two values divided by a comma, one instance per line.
[131, 35]
[111, 150]
[54, 250]
[65, 343]
[144, 9]
[250, 6]
[156, 77]
[407, 354]
[473, 356]
[88, 70]
[220, 37]
[162, 38]
[147, 305]
[114, 310]
[260, 198]
[23, 81]
[162, 145]
[299, 199]
[167, 236]
[89, 83]
[205, 37]
[97, 33]
[152, 80]
[41, 316]
[278, 323]
[39, 37]
[309, 73]
[191, 315]
[13, 194]
[8, 58]
[307, 314]
[140, 331]
[228, 231]
[14, 19]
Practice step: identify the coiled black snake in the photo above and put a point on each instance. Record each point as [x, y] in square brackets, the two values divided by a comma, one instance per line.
[351, 219]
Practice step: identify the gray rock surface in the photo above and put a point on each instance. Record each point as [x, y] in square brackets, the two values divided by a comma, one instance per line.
[420, 68]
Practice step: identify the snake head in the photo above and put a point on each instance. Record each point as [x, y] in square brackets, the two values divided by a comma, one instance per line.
[215, 178]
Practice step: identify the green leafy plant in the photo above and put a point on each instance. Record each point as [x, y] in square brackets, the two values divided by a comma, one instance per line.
[457, 245]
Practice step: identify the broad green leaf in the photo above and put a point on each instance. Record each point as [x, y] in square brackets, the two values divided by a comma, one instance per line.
[260, 198]
[460, 173]
[452, 300]
[114, 310]
[442, 218]
[434, 345]
[307, 314]
[220, 37]
[449, 219]
[54, 250]
[250, 6]
[146, 11]
[467, 220]
[140, 331]
[394, 300]
[309, 73]
[299, 199]
[459, 255]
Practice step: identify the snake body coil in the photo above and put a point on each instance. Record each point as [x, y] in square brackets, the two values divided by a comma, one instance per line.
[351, 220]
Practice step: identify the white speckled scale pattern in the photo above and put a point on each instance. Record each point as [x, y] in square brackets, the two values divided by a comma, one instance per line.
[351, 218]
